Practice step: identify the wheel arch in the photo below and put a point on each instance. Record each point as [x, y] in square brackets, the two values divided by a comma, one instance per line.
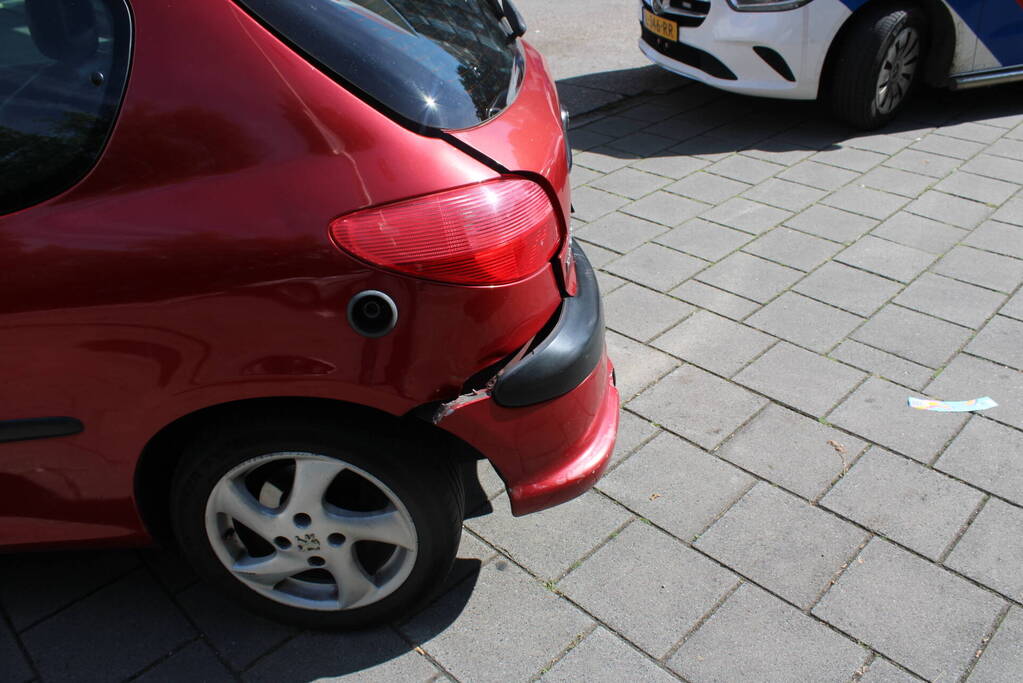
[940, 48]
[156, 465]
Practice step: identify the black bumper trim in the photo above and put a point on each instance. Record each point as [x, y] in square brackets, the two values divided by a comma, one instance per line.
[689, 55]
[567, 355]
[38, 428]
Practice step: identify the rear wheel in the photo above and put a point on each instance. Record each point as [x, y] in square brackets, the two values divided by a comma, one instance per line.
[878, 65]
[318, 526]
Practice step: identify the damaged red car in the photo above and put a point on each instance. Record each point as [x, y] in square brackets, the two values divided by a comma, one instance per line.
[274, 272]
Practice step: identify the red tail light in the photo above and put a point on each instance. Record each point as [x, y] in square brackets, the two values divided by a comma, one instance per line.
[491, 233]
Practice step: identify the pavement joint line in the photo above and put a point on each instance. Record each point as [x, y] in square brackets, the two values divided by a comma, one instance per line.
[199, 637]
[985, 641]
[964, 527]
[846, 467]
[600, 544]
[420, 649]
[724, 511]
[83, 596]
[870, 659]
[853, 557]
[579, 638]
[6, 619]
[700, 622]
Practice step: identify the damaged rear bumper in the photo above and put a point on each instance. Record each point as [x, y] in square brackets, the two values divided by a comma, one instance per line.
[548, 421]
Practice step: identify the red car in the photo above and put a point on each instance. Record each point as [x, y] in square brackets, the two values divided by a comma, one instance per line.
[272, 273]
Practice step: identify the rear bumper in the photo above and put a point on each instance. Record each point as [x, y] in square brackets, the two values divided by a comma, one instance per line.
[548, 424]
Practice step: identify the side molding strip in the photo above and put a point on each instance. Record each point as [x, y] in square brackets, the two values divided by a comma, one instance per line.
[38, 428]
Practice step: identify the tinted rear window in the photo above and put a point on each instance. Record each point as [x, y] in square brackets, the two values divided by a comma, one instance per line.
[435, 63]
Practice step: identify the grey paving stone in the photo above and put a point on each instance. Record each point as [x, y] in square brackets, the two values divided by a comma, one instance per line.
[657, 267]
[670, 587]
[925, 163]
[602, 657]
[895, 261]
[1006, 147]
[964, 213]
[831, 223]
[805, 322]
[628, 182]
[853, 159]
[821, 176]
[636, 365]
[584, 138]
[747, 216]
[878, 411]
[784, 194]
[986, 454]
[375, 655]
[1011, 212]
[13, 664]
[978, 188]
[898, 182]
[756, 637]
[914, 336]
[910, 504]
[1002, 238]
[608, 282]
[777, 151]
[598, 256]
[672, 166]
[920, 233]
[641, 313]
[799, 378]
[676, 485]
[194, 662]
[950, 300]
[975, 132]
[1014, 307]
[1001, 340]
[865, 201]
[910, 610]
[883, 671]
[615, 126]
[619, 232]
[590, 203]
[991, 552]
[707, 187]
[847, 288]
[981, 268]
[1003, 659]
[697, 405]
[745, 169]
[33, 586]
[665, 208]
[548, 542]
[704, 239]
[880, 142]
[713, 299]
[604, 159]
[792, 451]
[632, 432]
[946, 146]
[109, 635]
[969, 377]
[581, 175]
[460, 630]
[714, 343]
[792, 248]
[238, 635]
[999, 168]
[642, 143]
[749, 276]
[783, 543]
[883, 364]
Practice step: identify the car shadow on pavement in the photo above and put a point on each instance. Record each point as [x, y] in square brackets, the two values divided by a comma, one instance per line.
[680, 117]
[127, 615]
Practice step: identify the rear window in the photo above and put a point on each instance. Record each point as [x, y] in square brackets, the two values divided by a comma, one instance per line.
[434, 63]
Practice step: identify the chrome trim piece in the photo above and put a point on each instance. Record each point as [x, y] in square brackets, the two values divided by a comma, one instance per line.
[975, 79]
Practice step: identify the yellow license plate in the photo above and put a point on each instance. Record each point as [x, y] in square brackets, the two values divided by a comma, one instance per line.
[665, 28]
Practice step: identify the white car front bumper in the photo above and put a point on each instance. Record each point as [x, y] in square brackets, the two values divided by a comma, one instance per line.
[801, 36]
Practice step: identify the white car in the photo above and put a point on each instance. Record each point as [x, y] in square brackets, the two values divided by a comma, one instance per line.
[861, 57]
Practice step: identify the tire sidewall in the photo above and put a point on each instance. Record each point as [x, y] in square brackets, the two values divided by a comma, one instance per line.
[907, 17]
[417, 479]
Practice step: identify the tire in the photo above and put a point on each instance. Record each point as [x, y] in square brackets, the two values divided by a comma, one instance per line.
[319, 524]
[886, 44]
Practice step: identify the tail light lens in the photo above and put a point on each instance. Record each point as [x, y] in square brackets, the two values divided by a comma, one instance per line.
[487, 234]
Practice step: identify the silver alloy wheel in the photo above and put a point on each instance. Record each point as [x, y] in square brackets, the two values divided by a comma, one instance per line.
[897, 70]
[309, 554]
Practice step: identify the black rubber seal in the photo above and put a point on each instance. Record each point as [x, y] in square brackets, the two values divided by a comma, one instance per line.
[38, 428]
[776, 62]
[567, 355]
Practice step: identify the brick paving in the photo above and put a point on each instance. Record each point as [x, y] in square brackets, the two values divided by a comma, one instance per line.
[775, 287]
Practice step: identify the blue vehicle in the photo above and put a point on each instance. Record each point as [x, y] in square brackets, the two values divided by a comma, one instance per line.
[863, 57]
